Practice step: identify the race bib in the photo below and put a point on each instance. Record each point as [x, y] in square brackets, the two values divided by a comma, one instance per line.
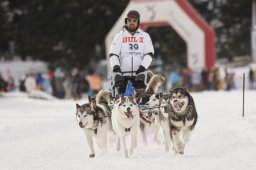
[133, 44]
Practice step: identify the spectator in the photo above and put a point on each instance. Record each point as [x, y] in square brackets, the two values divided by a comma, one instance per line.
[46, 86]
[40, 81]
[187, 78]
[174, 79]
[10, 81]
[251, 78]
[22, 87]
[76, 84]
[3, 84]
[57, 84]
[30, 83]
[205, 80]
[217, 83]
[95, 82]
[230, 81]
[196, 81]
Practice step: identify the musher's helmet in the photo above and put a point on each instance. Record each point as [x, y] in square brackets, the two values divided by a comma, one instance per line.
[133, 14]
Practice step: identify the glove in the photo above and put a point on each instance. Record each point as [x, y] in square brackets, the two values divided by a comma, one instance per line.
[117, 68]
[140, 77]
[118, 79]
[140, 69]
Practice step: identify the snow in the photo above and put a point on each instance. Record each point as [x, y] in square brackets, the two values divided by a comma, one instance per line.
[43, 134]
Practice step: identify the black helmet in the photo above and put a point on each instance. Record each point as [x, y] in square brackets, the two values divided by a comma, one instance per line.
[133, 14]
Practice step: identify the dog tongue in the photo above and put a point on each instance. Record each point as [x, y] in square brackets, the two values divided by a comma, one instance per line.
[129, 114]
[177, 104]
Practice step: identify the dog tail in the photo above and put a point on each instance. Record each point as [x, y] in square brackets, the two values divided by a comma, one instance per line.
[150, 74]
[103, 96]
[154, 83]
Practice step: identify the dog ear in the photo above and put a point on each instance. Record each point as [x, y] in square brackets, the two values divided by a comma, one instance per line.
[132, 99]
[122, 98]
[161, 94]
[184, 88]
[77, 105]
[116, 98]
[186, 91]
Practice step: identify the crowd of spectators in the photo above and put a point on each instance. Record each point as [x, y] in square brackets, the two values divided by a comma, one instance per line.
[74, 83]
[207, 79]
[58, 82]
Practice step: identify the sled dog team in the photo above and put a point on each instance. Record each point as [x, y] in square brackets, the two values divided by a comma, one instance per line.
[148, 110]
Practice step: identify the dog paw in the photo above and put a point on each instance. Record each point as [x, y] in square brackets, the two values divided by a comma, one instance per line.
[92, 155]
[180, 148]
[181, 152]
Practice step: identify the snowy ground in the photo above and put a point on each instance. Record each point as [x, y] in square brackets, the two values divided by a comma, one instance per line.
[40, 134]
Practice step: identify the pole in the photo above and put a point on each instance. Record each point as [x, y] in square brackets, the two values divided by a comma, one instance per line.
[243, 92]
[253, 31]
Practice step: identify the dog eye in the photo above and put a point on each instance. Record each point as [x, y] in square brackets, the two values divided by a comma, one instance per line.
[130, 104]
[124, 105]
[85, 115]
[78, 115]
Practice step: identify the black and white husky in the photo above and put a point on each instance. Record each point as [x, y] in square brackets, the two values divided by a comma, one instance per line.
[148, 113]
[183, 118]
[94, 118]
[125, 121]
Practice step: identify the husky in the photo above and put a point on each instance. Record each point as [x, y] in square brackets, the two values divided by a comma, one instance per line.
[149, 120]
[161, 107]
[125, 121]
[182, 117]
[94, 119]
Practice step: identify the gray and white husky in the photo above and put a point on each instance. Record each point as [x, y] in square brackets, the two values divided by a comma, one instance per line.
[125, 121]
[95, 120]
[183, 118]
[148, 113]
[161, 107]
